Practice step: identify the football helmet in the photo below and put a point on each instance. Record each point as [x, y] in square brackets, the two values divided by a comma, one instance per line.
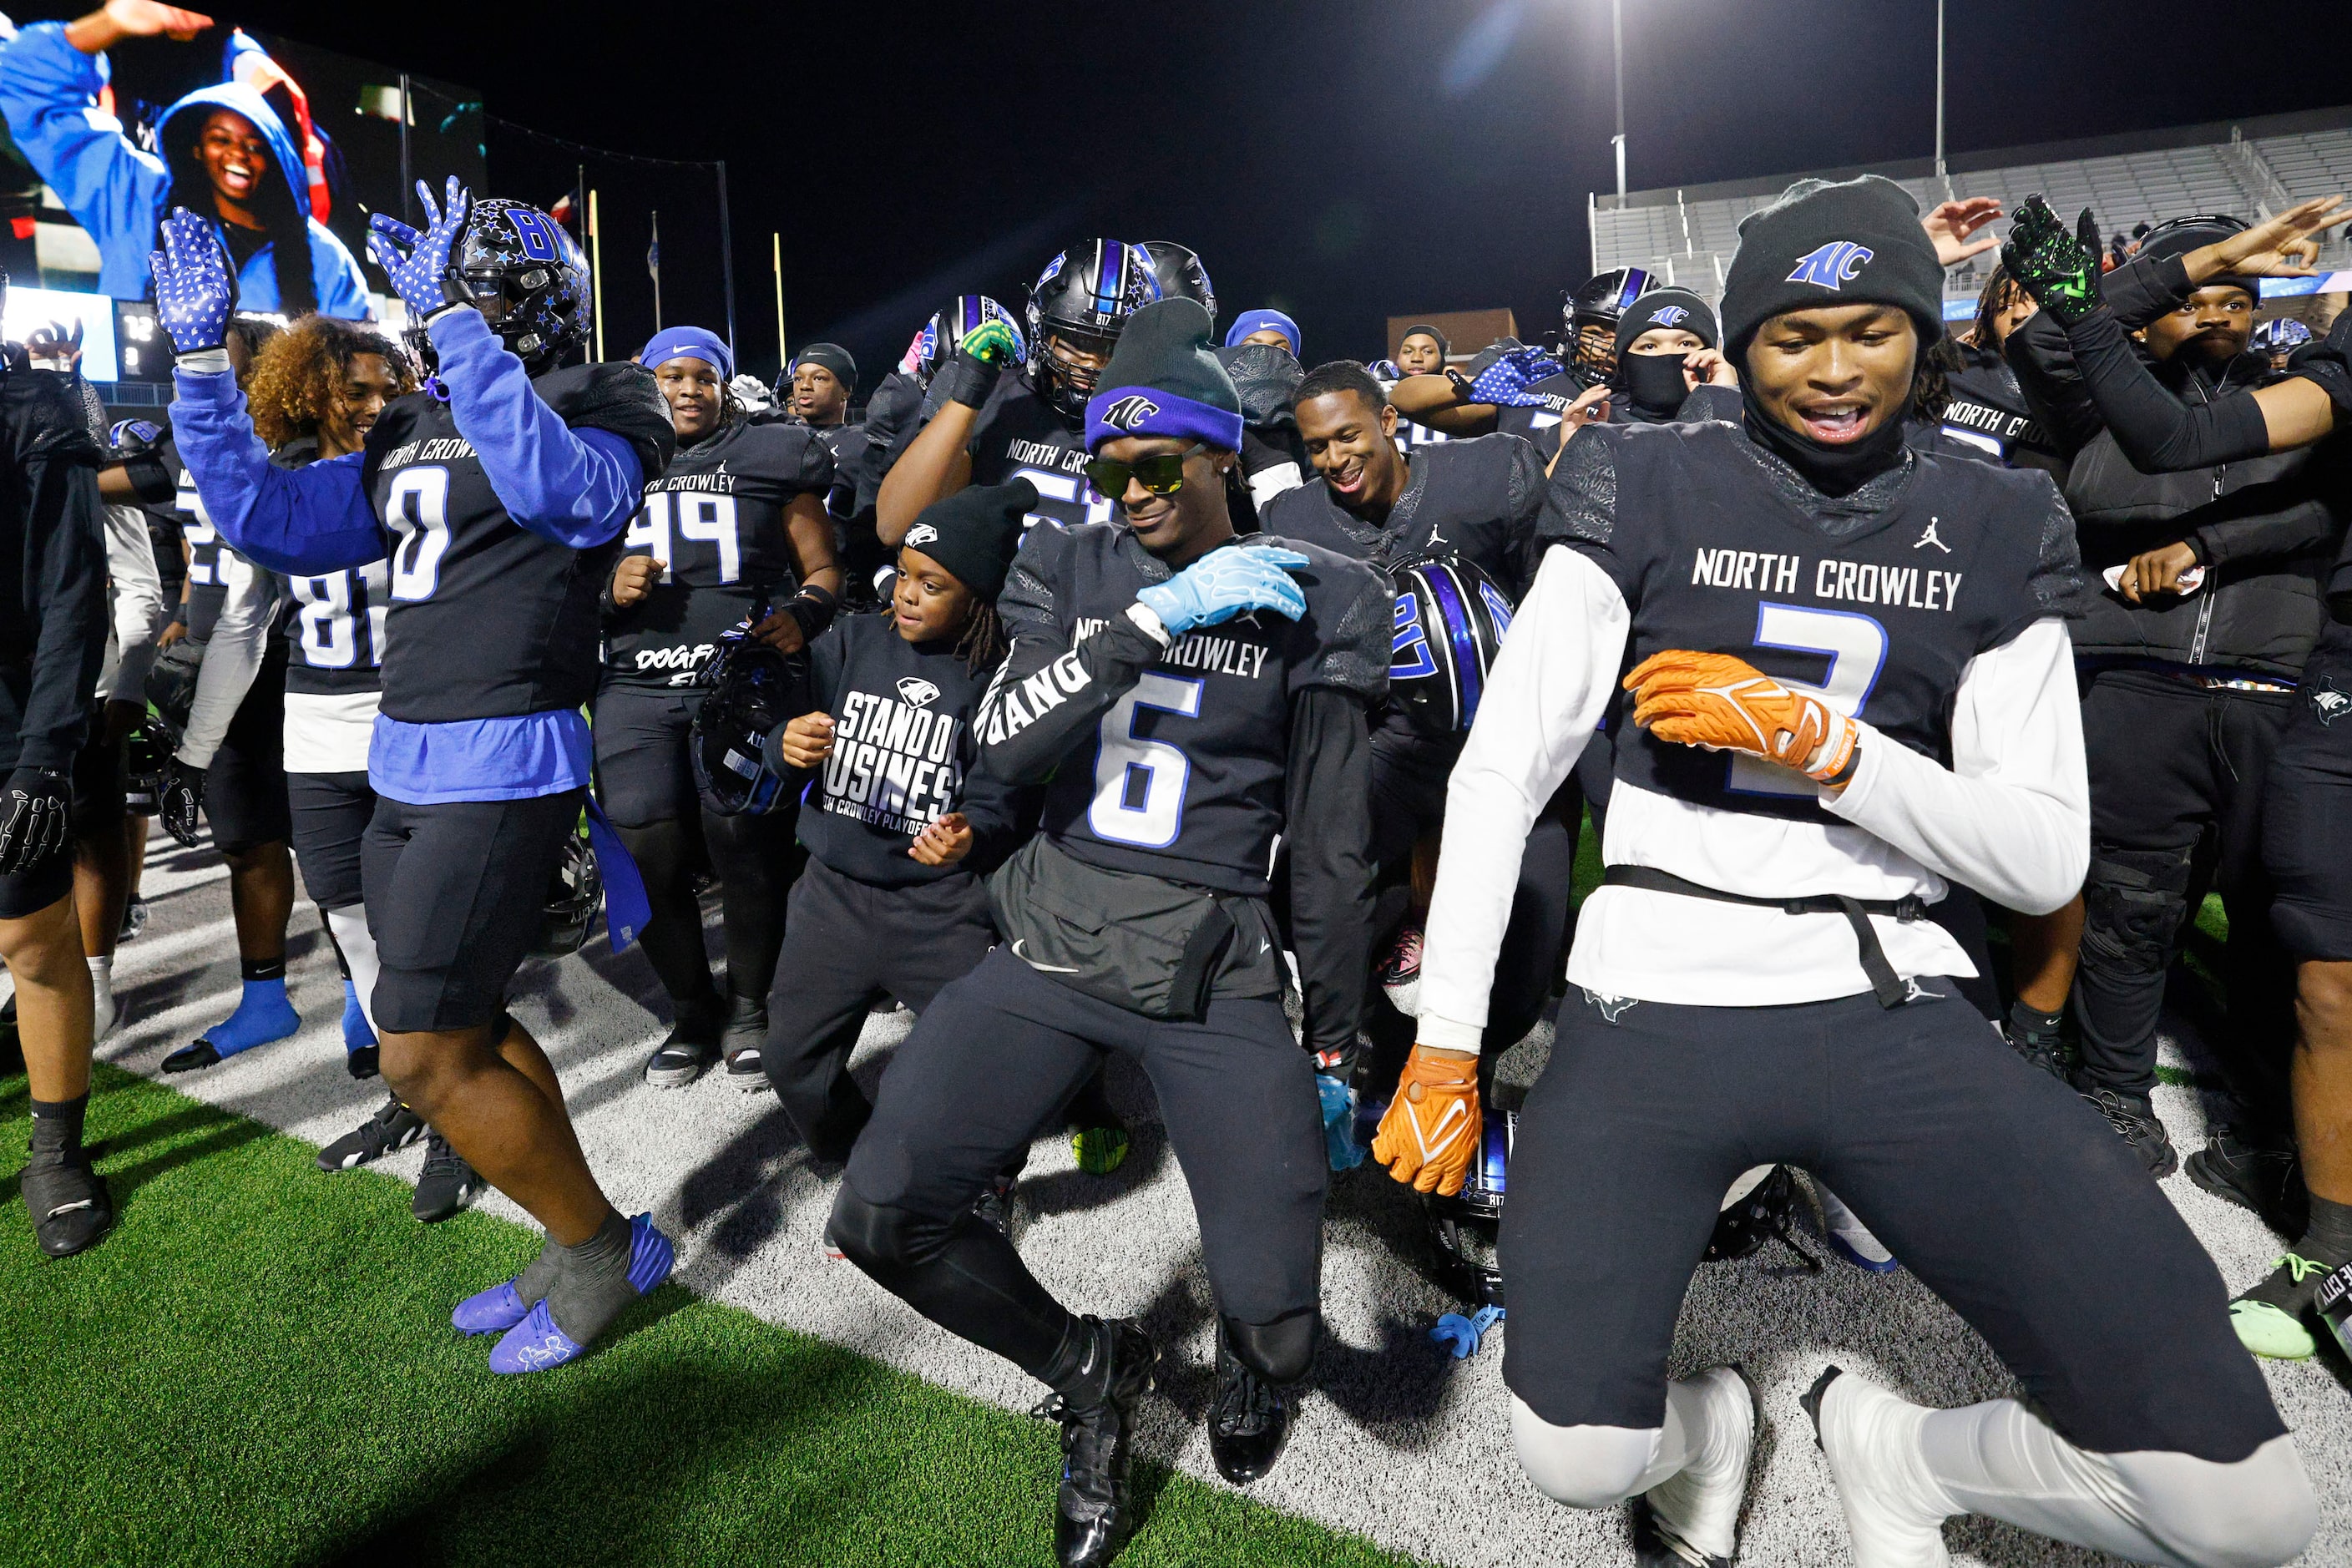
[132, 438]
[1463, 1228]
[1754, 1213]
[936, 344]
[1598, 303]
[748, 689]
[1180, 274]
[1450, 621]
[2279, 337]
[147, 751]
[574, 895]
[528, 278]
[1085, 297]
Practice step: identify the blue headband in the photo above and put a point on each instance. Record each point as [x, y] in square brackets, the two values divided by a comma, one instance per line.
[1156, 411]
[1250, 321]
[688, 343]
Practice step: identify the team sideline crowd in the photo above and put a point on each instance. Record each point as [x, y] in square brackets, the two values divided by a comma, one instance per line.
[1127, 681]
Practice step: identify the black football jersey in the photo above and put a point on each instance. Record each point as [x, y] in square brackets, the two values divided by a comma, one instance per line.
[1477, 499]
[1540, 424]
[1183, 777]
[846, 444]
[717, 516]
[333, 623]
[206, 563]
[488, 619]
[1877, 602]
[1019, 435]
[1987, 413]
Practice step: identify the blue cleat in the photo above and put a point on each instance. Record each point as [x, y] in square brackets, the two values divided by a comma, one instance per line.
[536, 1344]
[262, 1014]
[490, 1311]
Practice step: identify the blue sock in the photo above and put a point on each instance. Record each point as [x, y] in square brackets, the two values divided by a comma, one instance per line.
[357, 1036]
[263, 1013]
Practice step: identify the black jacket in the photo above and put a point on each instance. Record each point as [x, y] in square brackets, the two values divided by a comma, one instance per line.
[53, 600]
[2266, 529]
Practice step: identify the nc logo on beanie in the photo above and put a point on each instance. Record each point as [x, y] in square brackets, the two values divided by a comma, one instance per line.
[1838, 263]
[1129, 412]
[1668, 316]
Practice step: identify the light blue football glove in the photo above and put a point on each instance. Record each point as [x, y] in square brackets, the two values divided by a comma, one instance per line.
[1505, 382]
[418, 263]
[194, 289]
[1339, 1145]
[1227, 582]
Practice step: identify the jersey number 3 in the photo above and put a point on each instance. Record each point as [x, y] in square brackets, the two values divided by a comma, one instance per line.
[1140, 783]
[1856, 647]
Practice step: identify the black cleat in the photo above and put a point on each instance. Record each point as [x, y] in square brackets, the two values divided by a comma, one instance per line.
[68, 1201]
[191, 1057]
[1091, 1523]
[2038, 1049]
[2134, 1122]
[1249, 1420]
[447, 1185]
[393, 1126]
[2268, 1181]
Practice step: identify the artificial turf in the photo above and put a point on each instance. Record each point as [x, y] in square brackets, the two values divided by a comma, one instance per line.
[257, 1367]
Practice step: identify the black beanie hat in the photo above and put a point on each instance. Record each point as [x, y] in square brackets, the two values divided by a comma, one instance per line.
[1854, 242]
[1163, 379]
[833, 357]
[975, 534]
[2178, 236]
[1674, 308]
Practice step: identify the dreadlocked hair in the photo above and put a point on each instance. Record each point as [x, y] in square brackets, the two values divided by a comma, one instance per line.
[983, 644]
[287, 224]
[297, 374]
[1931, 385]
[2000, 291]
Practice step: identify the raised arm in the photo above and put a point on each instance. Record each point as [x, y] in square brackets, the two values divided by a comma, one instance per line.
[301, 521]
[50, 77]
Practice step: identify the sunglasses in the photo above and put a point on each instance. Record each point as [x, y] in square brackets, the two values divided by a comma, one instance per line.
[1162, 473]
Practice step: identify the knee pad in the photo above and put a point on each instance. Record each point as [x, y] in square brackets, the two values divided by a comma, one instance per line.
[2255, 1513]
[878, 1237]
[1278, 1352]
[2133, 902]
[1582, 1467]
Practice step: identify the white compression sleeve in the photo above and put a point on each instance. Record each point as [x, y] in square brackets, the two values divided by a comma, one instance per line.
[357, 943]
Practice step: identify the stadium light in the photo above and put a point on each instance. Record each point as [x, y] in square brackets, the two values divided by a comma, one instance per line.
[1617, 49]
[1939, 99]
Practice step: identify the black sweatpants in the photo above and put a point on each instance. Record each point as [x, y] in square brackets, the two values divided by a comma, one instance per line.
[990, 1066]
[2170, 761]
[2307, 810]
[849, 942]
[2002, 1192]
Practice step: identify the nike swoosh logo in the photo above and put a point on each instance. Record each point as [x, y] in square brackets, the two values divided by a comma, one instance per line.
[1435, 1139]
[1048, 968]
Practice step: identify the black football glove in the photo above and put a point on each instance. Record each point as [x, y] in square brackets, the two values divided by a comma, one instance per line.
[182, 797]
[2060, 270]
[33, 807]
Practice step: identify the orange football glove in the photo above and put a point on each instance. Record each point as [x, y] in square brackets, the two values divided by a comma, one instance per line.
[1726, 704]
[1430, 1134]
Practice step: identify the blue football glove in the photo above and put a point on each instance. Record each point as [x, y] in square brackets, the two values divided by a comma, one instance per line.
[1227, 582]
[194, 289]
[418, 264]
[1505, 382]
[1339, 1145]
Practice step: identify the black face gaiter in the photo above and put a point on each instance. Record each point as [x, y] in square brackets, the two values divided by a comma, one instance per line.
[1834, 471]
[1653, 382]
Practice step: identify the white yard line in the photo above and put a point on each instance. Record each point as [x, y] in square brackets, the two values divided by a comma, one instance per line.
[1398, 1443]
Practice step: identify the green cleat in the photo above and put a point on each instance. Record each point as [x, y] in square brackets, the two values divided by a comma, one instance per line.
[2274, 1318]
[1099, 1150]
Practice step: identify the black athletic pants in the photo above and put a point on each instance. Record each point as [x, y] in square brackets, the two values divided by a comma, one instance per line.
[990, 1066]
[2002, 1192]
[850, 942]
[2169, 762]
[2307, 809]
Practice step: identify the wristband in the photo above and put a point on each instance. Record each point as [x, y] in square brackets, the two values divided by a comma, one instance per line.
[969, 381]
[204, 362]
[1461, 384]
[1846, 769]
[813, 609]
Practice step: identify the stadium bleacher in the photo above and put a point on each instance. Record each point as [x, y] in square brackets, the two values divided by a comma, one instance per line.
[2250, 167]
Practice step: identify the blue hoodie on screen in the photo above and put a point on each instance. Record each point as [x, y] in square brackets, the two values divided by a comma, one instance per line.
[118, 192]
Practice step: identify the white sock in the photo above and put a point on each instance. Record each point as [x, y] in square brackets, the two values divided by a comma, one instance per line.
[104, 1014]
[2001, 1460]
[357, 944]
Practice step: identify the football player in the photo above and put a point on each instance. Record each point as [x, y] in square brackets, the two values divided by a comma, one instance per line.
[497, 497]
[1423, 351]
[53, 620]
[994, 419]
[824, 380]
[1550, 392]
[1269, 327]
[1830, 727]
[1191, 697]
[2305, 1195]
[734, 531]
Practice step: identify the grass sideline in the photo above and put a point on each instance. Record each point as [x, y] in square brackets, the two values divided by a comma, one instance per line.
[255, 1367]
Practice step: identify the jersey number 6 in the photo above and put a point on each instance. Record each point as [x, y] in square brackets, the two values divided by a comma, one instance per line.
[1140, 783]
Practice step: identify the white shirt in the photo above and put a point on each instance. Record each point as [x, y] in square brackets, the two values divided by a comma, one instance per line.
[137, 591]
[232, 657]
[2010, 819]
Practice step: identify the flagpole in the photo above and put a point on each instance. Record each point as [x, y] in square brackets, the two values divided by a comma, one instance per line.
[407, 176]
[783, 351]
[596, 270]
[727, 255]
[653, 265]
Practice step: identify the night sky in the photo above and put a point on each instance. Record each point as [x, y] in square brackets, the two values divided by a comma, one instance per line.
[1343, 159]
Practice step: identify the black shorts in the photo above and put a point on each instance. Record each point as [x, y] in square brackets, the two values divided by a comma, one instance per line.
[999, 1053]
[244, 788]
[1995, 1184]
[31, 893]
[642, 775]
[100, 774]
[2307, 809]
[331, 814]
[456, 892]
